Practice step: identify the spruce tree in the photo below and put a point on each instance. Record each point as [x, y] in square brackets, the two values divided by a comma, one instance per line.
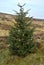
[21, 39]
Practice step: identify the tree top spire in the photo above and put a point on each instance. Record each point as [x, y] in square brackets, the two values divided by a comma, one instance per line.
[21, 5]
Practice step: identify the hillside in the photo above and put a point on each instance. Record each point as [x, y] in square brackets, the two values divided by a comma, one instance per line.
[6, 20]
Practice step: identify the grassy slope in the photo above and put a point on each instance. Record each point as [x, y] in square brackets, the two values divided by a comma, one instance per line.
[31, 59]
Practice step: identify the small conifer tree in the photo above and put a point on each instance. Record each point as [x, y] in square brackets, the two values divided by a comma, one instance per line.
[21, 38]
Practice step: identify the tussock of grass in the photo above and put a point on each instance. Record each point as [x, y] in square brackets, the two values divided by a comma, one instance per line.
[4, 32]
[7, 22]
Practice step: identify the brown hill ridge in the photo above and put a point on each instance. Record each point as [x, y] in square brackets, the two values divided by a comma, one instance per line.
[8, 17]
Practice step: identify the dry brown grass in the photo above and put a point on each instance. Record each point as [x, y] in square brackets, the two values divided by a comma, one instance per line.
[4, 32]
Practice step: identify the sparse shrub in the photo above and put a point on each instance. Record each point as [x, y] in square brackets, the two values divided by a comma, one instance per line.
[21, 37]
